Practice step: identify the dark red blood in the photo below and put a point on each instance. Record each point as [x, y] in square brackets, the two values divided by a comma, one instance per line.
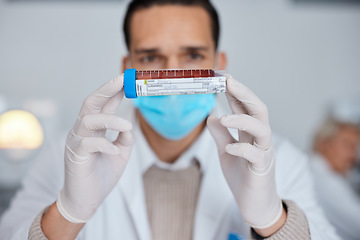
[162, 74]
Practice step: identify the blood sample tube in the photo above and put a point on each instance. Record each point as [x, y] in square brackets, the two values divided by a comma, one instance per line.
[173, 82]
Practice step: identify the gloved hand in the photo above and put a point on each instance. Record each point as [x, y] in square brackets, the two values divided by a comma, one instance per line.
[248, 163]
[93, 164]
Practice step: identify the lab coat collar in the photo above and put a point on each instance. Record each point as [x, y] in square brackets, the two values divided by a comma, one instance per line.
[131, 185]
[211, 208]
[132, 189]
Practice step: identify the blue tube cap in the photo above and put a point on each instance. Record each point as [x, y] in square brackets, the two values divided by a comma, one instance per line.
[129, 83]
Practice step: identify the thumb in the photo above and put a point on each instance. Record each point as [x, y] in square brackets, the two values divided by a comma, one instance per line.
[220, 133]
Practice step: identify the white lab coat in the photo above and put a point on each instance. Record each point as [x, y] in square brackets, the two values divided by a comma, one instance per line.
[336, 196]
[123, 213]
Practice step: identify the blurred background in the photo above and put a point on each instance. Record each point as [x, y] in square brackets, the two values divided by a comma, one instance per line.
[301, 57]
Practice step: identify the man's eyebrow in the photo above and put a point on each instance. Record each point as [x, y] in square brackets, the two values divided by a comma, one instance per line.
[156, 50]
[194, 49]
[147, 50]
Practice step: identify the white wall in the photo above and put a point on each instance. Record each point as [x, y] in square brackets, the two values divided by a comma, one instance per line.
[296, 58]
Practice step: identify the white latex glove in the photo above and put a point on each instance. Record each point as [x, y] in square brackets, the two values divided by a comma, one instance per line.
[248, 163]
[93, 164]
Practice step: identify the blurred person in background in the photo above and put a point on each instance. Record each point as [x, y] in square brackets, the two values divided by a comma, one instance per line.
[335, 148]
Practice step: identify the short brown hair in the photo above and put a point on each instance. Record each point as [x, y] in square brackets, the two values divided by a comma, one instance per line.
[143, 4]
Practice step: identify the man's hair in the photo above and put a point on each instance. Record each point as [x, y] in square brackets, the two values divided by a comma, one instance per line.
[136, 5]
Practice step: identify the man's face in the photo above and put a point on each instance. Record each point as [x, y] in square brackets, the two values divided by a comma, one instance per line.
[341, 149]
[171, 37]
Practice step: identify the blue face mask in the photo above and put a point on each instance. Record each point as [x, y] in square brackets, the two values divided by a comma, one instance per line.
[174, 117]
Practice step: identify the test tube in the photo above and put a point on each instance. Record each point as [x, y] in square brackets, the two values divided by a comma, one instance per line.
[173, 82]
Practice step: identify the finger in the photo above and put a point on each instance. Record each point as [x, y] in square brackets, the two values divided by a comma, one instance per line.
[237, 108]
[246, 151]
[95, 102]
[89, 124]
[245, 137]
[235, 105]
[253, 105]
[112, 105]
[220, 134]
[253, 126]
[124, 139]
[84, 148]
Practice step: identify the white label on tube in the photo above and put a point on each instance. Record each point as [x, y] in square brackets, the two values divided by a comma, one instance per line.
[180, 86]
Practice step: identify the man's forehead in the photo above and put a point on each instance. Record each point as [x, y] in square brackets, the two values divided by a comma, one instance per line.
[182, 25]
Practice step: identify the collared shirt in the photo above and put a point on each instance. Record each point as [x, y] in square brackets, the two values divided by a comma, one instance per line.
[196, 152]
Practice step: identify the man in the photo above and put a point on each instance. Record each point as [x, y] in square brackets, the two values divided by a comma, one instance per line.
[178, 182]
[336, 146]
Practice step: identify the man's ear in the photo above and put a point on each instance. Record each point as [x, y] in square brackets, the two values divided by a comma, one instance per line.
[125, 63]
[221, 61]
